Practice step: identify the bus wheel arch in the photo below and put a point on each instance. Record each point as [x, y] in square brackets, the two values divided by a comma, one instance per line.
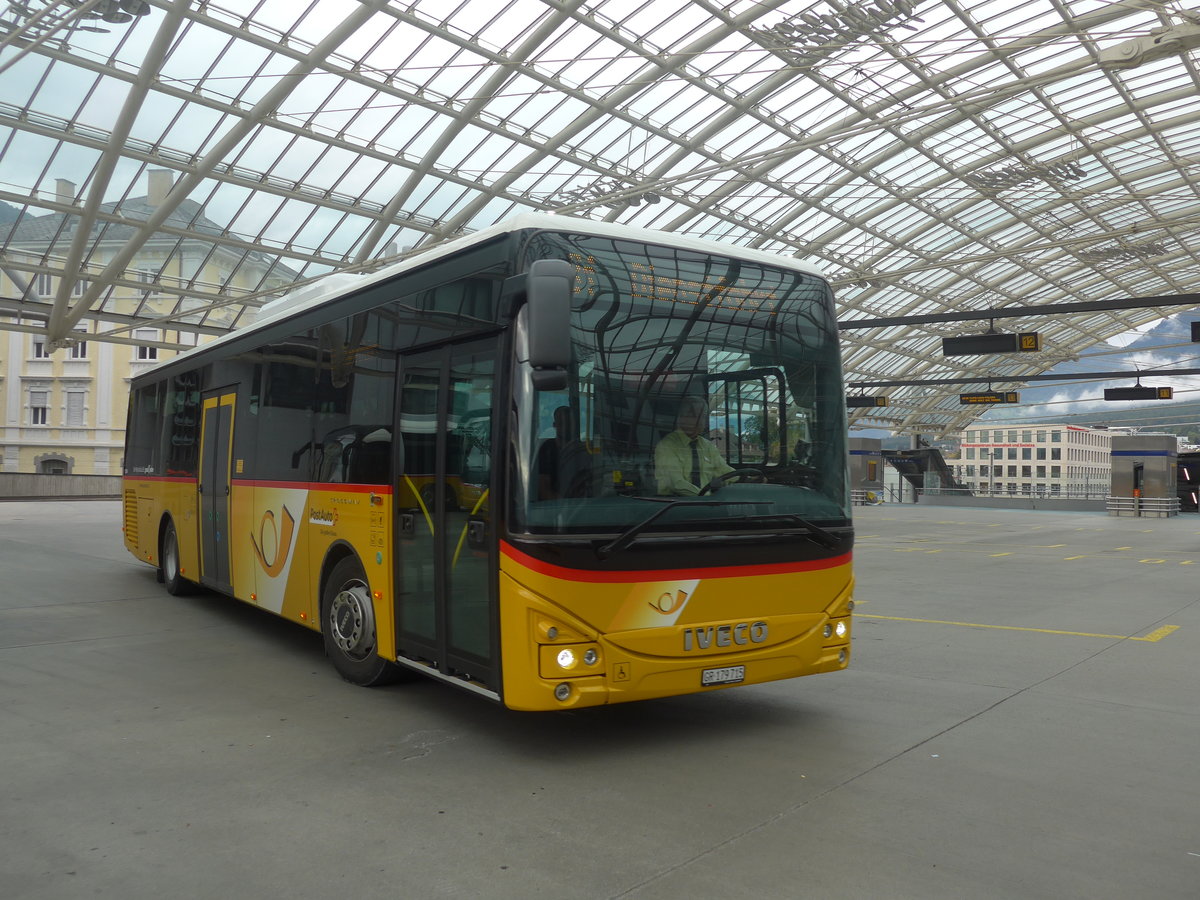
[169, 571]
[348, 621]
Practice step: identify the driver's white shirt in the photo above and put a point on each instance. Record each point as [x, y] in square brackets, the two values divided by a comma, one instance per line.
[673, 463]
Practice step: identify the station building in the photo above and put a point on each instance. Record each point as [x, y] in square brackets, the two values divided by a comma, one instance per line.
[1044, 460]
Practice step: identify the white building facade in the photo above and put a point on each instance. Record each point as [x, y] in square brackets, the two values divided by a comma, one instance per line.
[1040, 460]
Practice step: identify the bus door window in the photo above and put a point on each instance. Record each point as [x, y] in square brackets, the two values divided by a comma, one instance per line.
[467, 536]
[445, 610]
[214, 488]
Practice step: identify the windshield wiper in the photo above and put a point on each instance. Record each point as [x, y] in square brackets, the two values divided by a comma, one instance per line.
[627, 537]
[813, 531]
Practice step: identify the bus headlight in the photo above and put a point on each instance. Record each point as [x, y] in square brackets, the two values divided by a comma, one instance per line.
[836, 630]
[569, 660]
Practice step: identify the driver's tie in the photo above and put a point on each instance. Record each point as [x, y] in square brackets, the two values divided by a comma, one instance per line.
[695, 461]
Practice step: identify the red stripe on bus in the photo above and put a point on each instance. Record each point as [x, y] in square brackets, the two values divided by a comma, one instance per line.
[293, 485]
[635, 575]
[327, 487]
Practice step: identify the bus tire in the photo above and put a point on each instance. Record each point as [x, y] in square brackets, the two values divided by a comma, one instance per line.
[348, 627]
[168, 556]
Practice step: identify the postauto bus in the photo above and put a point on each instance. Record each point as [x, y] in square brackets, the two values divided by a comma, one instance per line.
[382, 459]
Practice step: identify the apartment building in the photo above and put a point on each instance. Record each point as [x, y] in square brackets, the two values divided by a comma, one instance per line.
[63, 412]
[1058, 460]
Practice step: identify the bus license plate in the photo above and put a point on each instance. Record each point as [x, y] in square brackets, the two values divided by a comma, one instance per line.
[727, 675]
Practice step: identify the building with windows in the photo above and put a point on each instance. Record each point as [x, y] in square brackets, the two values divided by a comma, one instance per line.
[63, 411]
[1044, 460]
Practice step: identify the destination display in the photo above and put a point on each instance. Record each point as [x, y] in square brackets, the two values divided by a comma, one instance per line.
[1139, 392]
[989, 397]
[864, 402]
[977, 344]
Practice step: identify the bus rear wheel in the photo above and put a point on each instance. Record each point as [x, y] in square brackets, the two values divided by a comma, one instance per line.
[348, 627]
[168, 556]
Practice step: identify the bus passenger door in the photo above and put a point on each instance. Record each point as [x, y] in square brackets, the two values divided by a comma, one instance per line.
[446, 546]
[216, 442]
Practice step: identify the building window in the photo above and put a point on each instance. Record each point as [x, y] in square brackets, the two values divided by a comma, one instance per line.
[45, 285]
[1026, 453]
[1056, 471]
[39, 349]
[1012, 472]
[79, 348]
[1041, 452]
[1041, 471]
[1026, 437]
[1026, 471]
[1055, 437]
[39, 407]
[1012, 452]
[146, 334]
[1056, 453]
[75, 409]
[970, 453]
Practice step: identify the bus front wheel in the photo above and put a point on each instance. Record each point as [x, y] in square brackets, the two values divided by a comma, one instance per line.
[168, 557]
[348, 627]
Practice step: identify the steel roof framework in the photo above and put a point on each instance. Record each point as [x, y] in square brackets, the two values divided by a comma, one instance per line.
[933, 157]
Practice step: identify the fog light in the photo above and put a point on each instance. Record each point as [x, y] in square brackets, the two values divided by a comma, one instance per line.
[840, 629]
[590, 657]
[566, 658]
[842, 656]
[828, 631]
[850, 606]
[562, 692]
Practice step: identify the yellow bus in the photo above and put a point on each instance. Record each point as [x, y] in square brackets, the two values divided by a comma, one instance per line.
[453, 466]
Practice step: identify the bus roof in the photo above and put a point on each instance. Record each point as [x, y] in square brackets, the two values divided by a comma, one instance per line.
[337, 284]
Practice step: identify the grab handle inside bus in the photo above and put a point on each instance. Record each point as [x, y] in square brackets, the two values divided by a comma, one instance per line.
[551, 283]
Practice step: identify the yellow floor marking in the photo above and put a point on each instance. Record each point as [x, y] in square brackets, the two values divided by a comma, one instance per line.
[1122, 548]
[1075, 557]
[1152, 637]
[999, 554]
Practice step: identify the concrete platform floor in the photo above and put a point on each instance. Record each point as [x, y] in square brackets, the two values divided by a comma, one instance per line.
[1021, 719]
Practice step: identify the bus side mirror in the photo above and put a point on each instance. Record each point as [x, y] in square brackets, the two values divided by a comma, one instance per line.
[550, 284]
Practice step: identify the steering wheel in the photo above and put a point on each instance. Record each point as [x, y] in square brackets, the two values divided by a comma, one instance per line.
[752, 476]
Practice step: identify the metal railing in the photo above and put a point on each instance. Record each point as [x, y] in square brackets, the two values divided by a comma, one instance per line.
[1146, 507]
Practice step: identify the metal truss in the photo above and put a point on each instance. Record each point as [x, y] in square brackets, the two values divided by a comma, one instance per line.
[177, 163]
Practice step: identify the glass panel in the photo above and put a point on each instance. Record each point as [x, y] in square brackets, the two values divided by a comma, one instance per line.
[685, 368]
[468, 514]
[416, 497]
[354, 397]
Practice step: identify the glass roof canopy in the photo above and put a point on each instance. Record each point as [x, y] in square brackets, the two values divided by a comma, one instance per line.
[931, 156]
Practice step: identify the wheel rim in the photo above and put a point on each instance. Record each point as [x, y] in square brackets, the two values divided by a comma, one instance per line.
[352, 621]
[170, 555]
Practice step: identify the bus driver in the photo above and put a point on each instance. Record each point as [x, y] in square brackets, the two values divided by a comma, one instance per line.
[684, 460]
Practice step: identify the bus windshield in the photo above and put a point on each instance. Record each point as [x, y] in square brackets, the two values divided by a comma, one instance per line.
[694, 378]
